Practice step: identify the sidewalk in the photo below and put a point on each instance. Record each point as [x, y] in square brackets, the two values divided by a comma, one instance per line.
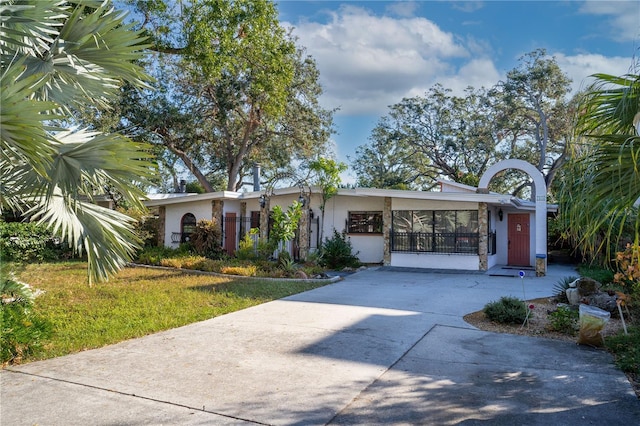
[379, 347]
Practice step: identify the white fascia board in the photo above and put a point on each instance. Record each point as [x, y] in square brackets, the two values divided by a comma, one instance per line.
[158, 200]
[427, 195]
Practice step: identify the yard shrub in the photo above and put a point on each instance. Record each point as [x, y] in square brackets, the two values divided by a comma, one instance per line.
[245, 271]
[626, 350]
[247, 247]
[30, 242]
[507, 310]
[628, 269]
[206, 239]
[146, 225]
[154, 255]
[337, 252]
[184, 262]
[564, 320]
[22, 330]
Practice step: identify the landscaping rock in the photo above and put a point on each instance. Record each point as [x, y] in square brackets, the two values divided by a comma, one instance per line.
[573, 296]
[587, 286]
[603, 301]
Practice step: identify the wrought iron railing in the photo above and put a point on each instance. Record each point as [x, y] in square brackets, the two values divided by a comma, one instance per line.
[433, 242]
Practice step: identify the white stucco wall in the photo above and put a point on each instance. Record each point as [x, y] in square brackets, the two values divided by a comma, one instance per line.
[435, 261]
[174, 213]
[370, 247]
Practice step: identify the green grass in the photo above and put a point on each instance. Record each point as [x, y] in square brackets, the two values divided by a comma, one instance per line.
[598, 273]
[136, 302]
[626, 350]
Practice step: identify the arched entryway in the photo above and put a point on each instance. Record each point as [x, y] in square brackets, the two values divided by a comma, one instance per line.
[187, 226]
[540, 192]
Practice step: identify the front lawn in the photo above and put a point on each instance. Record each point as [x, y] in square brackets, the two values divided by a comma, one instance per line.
[136, 302]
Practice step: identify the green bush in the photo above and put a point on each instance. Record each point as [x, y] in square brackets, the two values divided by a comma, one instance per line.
[626, 350]
[246, 248]
[206, 239]
[22, 331]
[336, 252]
[154, 255]
[507, 310]
[564, 320]
[30, 242]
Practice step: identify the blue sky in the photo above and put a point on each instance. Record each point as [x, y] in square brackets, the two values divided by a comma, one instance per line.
[371, 54]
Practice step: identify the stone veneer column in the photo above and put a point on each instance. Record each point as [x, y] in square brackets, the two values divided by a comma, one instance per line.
[216, 212]
[483, 240]
[162, 221]
[303, 227]
[243, 219]
[386, 231]
[264, 219]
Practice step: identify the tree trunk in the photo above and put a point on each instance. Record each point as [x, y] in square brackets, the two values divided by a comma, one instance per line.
[202, 179]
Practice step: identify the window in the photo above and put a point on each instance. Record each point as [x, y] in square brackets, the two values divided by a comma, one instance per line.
[435, 231]
[365, 223]
[187, 226]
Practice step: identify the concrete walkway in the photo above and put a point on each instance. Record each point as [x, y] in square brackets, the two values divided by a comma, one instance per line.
[380, 347]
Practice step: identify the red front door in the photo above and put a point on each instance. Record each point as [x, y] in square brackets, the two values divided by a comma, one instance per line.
[230, 233]
[518, 246]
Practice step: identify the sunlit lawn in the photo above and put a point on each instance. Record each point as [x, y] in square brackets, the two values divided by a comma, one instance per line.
[136, 302]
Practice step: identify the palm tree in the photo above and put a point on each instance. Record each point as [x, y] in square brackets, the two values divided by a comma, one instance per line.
[57, 56]
[601, 192]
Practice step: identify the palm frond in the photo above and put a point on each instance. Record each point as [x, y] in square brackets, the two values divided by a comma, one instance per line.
[105, 235]
[88, 161]
[22, 136]
[610, 105]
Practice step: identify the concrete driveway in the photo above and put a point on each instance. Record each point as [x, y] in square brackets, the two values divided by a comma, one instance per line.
[379, 347]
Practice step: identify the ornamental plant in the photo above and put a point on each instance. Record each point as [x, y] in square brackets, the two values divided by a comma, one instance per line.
[628, 268]
[507, 310]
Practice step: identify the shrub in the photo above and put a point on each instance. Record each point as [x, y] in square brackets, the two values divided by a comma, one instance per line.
[507, 310]
[248, 246]
[628, 269]
[337, 252]
[206, 239]
[21, 329]
[627, 350]
[145, 227]
[560, 289]
[184, 262]
[564, 320]
[30, 242]
[245, 271]
[286, 263]
[154, 255]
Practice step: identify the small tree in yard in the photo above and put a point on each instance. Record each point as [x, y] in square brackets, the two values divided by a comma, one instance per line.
[284, 224]
[327, 173]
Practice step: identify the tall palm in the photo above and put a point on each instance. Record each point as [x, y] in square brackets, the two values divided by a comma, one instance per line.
[601, 194]
[56, 56]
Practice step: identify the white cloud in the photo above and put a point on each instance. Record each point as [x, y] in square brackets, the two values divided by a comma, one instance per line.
[580, 67]
[402, 8]
[468, 6]
[623, 20]
[476, 73]
[368, 62]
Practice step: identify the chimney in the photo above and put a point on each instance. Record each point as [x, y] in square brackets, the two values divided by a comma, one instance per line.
[183, 186]
[256, 177]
